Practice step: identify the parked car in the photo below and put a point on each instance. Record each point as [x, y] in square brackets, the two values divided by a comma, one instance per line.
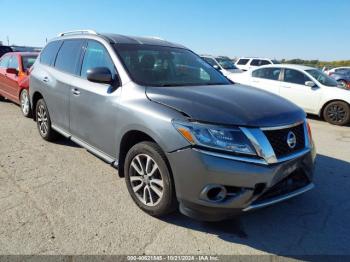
[337, 70]
[223, 64]
[248, 63]
[4, 49]
[307, 87]
[176, 129]
[342, 77]
[14, 70]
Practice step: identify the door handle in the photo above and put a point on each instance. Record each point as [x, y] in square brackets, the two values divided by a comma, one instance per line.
[45, 79]
[75, 91]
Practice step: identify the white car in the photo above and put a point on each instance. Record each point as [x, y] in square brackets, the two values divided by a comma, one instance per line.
[337, 70]
[309, 88]
[223, 64]
[248, 63]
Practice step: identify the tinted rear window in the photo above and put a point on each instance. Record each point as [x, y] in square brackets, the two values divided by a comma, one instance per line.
[242, 61]
[69, 55]
[4, 50]
[48, 55]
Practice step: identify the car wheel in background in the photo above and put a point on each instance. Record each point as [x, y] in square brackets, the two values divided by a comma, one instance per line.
[343, 84]
[337, 113]
[148, 179]
[44, 122]
[25, 104]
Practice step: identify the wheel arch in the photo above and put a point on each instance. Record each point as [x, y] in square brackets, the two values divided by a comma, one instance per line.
[320, 113]
[128, 140]
[36, 96]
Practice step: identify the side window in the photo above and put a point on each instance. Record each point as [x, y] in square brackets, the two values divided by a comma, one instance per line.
[96, 55]
[48, 55]
[242, 61]
[264, 62]
[255, 62]
[4, 61]
[13, 63]
[295, 77]
[69, 55]
[267, 73]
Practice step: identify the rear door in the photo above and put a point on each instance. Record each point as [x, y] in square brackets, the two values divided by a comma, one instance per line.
[293, 88]
[267, 79]
[93, 111]
[59, 81]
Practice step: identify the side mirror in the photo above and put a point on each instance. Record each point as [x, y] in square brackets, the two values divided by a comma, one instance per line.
[310, 84]
[12, 71]
[100, 75]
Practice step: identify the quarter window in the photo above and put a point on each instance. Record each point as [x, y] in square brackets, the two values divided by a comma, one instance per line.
[96, 55]
[48, 55]
[295, 77]
[69, 55]
[267, 73]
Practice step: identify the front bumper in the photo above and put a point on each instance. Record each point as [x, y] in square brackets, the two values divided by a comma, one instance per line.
[245, 183]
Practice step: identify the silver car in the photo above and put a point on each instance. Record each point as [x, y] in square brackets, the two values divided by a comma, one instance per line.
[180, 133]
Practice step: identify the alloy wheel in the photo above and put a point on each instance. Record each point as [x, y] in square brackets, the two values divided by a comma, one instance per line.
[146, 180]
[336, 113]
[42, 120]
[25, 102]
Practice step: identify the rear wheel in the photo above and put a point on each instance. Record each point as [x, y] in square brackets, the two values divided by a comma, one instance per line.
[25, 104]
[148, 179]
[337, 113]
[343, 83]
[44, 122]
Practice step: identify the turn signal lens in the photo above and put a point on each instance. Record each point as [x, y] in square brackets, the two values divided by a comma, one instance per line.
[309, 131]
[186, 134]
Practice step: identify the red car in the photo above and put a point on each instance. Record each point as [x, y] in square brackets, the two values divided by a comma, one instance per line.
[14, 84]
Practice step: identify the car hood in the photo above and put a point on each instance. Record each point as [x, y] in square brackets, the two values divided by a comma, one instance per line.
[228, 105]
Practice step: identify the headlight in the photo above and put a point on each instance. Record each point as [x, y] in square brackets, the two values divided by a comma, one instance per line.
[215, 137]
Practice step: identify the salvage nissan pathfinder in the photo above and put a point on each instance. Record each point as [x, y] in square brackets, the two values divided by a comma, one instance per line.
[180, 133]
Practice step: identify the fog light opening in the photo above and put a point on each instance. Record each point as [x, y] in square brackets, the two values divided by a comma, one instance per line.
[217, 193]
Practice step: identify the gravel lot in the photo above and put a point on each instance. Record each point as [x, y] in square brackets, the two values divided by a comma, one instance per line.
[56, 198]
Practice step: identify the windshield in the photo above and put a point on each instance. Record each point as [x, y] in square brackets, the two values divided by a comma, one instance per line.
[226, 63]
[322, 77]
[153, 65]
[275, 62]
[28, 61]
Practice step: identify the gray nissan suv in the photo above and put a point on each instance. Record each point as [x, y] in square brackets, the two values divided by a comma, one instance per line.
[181, 134]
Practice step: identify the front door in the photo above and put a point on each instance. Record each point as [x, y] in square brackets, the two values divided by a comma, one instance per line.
[294, 89]
[12, 79]
[93, 107]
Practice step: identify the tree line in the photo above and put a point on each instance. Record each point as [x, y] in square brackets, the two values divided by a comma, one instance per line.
[317, 63]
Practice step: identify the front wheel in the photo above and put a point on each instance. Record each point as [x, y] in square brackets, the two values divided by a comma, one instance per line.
[44, 122]
[148, 179]
[25, 104]
[337, 113]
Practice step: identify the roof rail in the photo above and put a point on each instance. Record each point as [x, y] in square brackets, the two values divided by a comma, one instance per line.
[91, 32]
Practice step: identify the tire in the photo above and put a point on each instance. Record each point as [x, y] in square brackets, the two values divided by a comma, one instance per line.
[337, 113]
[44, 122]
[25, 103]
[343, 83]
[149, 200]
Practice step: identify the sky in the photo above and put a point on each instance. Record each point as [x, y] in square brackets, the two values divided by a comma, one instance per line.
[307, 29]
